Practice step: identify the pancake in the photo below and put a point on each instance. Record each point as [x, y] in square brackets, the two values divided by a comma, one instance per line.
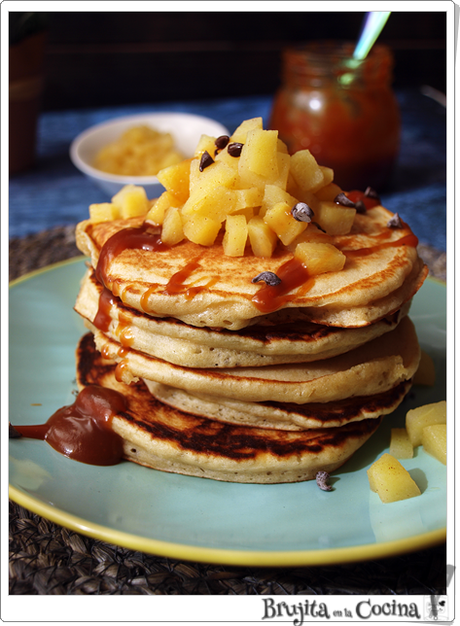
[375, 367]
[157, 436]
[201, 286]
[282, 415]
[257, 345]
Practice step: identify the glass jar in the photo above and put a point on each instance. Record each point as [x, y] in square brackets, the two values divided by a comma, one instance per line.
[343, 110]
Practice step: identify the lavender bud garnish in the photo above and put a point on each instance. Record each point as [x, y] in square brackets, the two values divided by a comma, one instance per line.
[321, 480]
[206, 160]
[302, 212]
[270, 278]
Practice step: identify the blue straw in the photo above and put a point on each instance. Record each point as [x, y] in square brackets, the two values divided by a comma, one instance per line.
[374, 23]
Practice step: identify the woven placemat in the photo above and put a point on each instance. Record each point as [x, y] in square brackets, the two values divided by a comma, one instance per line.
[47, 559]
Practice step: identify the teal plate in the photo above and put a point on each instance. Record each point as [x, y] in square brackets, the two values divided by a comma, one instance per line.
[198, 519]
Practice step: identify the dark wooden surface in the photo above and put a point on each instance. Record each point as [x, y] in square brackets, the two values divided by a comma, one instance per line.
[114, 58]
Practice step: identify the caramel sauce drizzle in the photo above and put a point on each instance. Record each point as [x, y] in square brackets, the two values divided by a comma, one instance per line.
[120, 368]
[407, 240]
[271, 297]
[102, 319]
[294, 274]
[175, 284]
[83, 430]
[141, 238]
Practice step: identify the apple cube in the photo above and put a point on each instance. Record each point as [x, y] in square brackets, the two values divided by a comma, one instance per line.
[284, 161]
[172, 231]
[201, 229]
[216, 174]
[157, 211]
[131, 201]
[334, 218]
[400, 445]
[272, 194]
[261, 237]
[245, 198]
[319, 258]
[240, 133]
[259, 153]
[206, 143]
[390, 480]
[176, 180]
[328, 192]
[434, 441]
[103, 212]
[236, 234]
[217, 203]
[417, 419]
[306, 171]
[279, 219]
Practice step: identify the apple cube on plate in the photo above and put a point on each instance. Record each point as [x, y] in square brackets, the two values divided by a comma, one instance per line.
[390, 480]
[319, 258]
[420, 417]
[434, 441]
[400, 445]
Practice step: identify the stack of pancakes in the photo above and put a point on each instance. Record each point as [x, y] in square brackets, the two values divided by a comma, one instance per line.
[226, 378]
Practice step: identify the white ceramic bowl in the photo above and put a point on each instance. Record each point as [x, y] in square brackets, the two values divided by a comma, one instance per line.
[185, 128]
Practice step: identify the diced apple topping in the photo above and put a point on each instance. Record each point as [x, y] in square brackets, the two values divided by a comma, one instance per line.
[319, 258]
[130, 201]
[247, 188]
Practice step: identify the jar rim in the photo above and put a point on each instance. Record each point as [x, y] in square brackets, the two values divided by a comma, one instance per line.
[334, 55]
[333, 60]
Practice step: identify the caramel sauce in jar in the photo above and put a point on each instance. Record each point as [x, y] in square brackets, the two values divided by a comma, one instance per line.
[343, 110]
[82, 431]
